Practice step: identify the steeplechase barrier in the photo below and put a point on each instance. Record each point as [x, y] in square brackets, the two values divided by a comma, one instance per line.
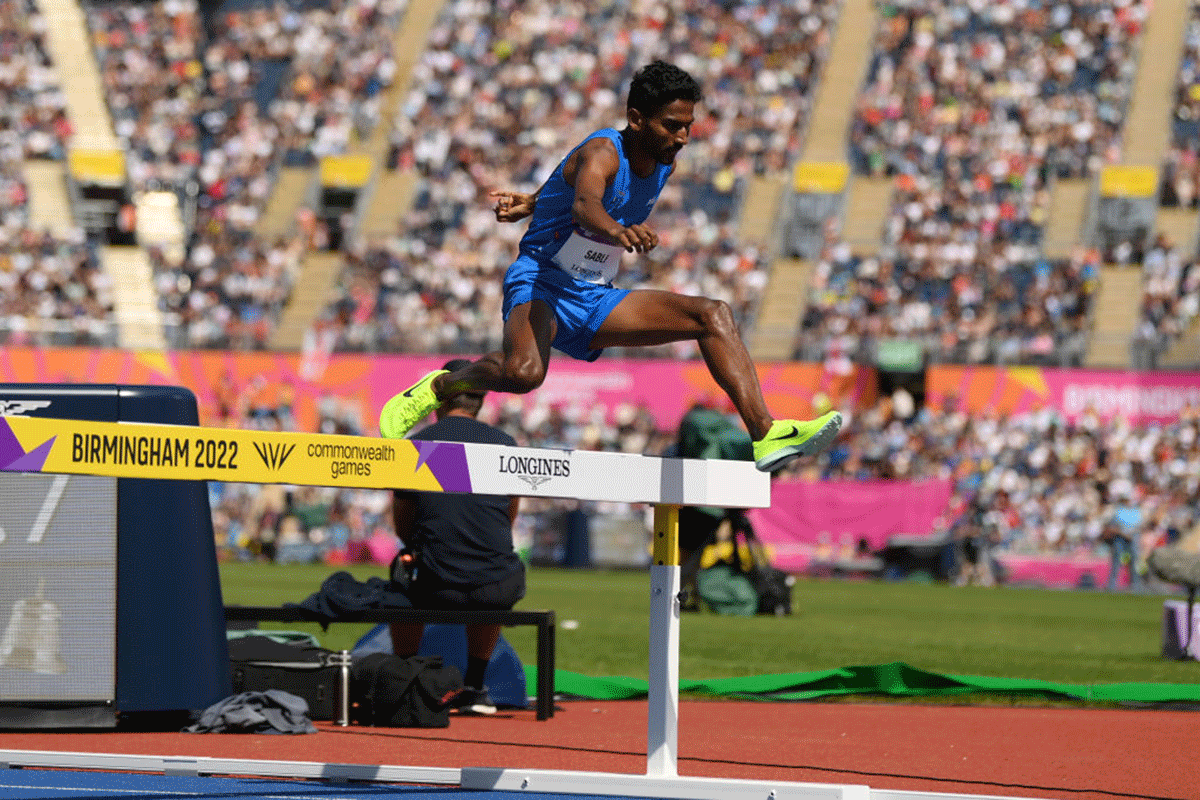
[194, 453]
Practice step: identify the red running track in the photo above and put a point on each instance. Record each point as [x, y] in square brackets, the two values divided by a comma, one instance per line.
[1083, 754]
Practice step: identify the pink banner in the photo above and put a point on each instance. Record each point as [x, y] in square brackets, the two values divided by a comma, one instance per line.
[1140, 397]
[1057, 572]
[825, 521]
[230, 385]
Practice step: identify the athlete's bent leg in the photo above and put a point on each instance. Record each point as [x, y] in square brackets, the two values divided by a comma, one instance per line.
[519, 367]
[651, 317]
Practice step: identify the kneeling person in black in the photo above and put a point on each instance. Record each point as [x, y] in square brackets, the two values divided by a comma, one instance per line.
[463, 549]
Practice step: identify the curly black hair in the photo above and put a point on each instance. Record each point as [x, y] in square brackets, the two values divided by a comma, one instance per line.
[659, 84]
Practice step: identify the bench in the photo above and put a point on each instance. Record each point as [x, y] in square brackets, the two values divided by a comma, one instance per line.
[543, 620]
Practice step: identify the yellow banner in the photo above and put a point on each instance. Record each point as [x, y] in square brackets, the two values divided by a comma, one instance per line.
[97, 166]
[195, 453]
[1122, 181]
[183, 452]
[820, 177]
[348, 172]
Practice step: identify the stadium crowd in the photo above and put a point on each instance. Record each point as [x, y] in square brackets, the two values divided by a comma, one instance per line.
[1181, 173]
[33, 116]
[491, 68]
[1170, 299]
[213, 110]
[997, 309]
[973, 110]
[1053, 485]
[992, 100]
[52, 290]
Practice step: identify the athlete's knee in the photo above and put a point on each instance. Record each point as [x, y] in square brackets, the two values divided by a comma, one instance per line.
[717, 317]
[524, 374]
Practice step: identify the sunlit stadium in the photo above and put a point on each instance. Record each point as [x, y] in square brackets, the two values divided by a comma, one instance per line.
[971, 228]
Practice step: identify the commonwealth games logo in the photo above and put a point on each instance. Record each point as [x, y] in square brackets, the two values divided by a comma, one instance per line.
[274, 455]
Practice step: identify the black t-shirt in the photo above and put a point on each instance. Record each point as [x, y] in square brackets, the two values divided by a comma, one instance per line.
[463, 539]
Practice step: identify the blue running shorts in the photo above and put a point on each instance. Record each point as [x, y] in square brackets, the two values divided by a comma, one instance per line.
[579, 307]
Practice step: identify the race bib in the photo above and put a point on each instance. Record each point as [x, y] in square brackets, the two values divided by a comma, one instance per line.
[589, 259]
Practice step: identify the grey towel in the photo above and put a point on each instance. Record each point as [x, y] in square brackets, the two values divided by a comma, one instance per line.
[272, 711]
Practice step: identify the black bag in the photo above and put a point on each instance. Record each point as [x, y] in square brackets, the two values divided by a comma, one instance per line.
[258, 663]
[773, 585]
[389, 691]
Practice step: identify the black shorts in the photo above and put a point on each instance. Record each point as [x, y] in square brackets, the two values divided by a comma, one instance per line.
[971, 550]
[499, 596]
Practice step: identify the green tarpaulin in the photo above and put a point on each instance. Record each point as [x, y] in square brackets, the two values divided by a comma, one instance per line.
[897, 680]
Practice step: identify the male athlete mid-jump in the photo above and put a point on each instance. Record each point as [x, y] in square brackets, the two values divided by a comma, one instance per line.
[559, 292]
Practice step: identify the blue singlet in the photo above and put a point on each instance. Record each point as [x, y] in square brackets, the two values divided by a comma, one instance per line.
[570, 269]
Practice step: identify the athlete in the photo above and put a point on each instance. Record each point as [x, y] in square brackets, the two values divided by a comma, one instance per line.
[559, 292]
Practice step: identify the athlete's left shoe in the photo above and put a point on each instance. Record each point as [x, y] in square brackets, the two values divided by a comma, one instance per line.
[406, 409]
[789, 439]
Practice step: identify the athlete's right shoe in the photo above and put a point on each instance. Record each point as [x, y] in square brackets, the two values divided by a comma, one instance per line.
[406, 409]
[788, 439]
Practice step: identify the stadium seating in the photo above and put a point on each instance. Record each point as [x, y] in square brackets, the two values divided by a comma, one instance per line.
[970, 218]
[463, 130]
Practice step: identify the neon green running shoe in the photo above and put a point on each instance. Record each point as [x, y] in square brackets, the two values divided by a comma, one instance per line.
[791, 438]
[406, 409]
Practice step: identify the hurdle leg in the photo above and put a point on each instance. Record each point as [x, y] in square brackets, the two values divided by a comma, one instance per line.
[663, 712]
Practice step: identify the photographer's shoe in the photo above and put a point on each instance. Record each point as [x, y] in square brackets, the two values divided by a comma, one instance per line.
[474, 701]
[406, 409]
[789, 439]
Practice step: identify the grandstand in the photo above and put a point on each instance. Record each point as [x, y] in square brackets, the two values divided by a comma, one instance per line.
[900, 186]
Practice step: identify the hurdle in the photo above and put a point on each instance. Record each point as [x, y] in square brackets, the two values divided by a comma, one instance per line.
[182, 452]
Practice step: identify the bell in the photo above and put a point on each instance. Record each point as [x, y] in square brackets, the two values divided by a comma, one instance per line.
[32, 641]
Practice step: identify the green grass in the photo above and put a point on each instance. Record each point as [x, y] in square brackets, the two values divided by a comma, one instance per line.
[1069, 637]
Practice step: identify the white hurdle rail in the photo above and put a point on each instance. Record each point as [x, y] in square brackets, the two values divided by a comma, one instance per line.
[182, 452]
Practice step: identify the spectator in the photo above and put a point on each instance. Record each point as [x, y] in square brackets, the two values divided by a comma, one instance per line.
[462, 550]
[1123, 534]
[972, 536]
